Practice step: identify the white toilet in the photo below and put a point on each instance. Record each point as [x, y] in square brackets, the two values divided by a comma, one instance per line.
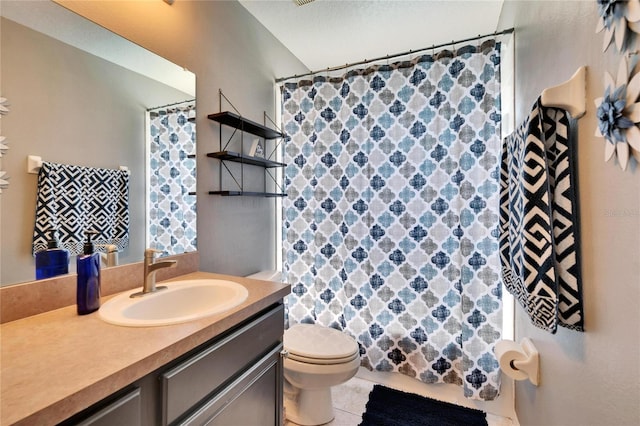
[316, 359]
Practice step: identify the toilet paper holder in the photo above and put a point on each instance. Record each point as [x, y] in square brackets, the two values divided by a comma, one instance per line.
[523, 360]
[531, 365]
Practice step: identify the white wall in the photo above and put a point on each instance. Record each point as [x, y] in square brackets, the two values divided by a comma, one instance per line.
[227, 49]
[590, 378]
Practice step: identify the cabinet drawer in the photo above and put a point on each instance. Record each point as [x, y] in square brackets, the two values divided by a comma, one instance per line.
[250, 400]
[123, 411]
[195, 378]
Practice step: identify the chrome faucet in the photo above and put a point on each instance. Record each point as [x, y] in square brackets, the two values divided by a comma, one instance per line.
[150, 268]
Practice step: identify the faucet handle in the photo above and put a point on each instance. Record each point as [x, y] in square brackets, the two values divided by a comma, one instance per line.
[150, 253]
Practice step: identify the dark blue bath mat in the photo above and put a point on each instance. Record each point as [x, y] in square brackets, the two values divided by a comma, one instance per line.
[390, 407]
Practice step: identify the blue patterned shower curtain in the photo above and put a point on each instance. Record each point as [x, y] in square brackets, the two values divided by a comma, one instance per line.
[391, 219]
[172, 209]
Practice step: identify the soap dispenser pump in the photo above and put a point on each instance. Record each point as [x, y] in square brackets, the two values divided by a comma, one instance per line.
[88, 269]
[53, 260]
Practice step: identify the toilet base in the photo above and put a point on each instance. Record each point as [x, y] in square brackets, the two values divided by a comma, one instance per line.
[309, 407]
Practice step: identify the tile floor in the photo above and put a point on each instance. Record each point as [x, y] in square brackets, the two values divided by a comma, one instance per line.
[350, 399]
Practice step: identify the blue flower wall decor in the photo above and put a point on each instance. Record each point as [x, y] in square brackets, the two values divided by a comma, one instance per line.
[618, 111]
[616, 17]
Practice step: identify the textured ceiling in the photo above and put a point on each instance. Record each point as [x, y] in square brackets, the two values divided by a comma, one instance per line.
[328, 33]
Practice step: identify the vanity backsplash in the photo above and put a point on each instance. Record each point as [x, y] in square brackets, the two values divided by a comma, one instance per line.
[35, 297]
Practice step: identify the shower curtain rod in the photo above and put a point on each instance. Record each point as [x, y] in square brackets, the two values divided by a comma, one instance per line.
[367, 61]
[168, 105]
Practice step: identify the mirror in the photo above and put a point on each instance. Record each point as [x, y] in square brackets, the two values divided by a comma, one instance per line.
[77, 94]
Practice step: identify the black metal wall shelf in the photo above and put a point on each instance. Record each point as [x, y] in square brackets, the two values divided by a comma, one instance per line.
[248, 193]
[237, 122]
[241, 158]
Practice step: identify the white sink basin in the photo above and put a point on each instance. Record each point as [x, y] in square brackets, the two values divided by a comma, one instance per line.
[182, 301]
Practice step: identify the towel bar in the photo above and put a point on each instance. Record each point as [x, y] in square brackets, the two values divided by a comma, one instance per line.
[570, 95]
[34, 163]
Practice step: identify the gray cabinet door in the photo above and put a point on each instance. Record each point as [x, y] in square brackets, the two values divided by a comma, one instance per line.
[253, 399]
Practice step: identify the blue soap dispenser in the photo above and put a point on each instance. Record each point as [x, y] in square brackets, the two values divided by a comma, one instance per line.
[53, 260]
[88, 268]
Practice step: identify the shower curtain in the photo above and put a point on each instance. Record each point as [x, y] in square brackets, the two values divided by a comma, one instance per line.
[391, 218]
[172, 209]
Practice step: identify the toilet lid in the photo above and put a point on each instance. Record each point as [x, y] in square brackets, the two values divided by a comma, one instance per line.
[315, 343]
[321, 361]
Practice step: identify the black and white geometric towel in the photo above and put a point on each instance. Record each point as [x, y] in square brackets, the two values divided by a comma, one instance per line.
[539, 229]
[75, 199]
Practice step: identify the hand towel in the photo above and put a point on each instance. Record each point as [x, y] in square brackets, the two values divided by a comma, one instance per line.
[539, 244]
[74, 199]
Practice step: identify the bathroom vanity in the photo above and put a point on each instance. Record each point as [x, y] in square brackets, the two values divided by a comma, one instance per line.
[224, 369]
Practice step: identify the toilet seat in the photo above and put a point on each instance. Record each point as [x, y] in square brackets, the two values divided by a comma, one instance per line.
[315, 344]
[321, 361]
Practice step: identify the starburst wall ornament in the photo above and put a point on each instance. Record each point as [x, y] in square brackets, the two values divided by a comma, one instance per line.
[3, 109]
[4, 183]
[616, 18]
[618, 113]
[3, 147]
